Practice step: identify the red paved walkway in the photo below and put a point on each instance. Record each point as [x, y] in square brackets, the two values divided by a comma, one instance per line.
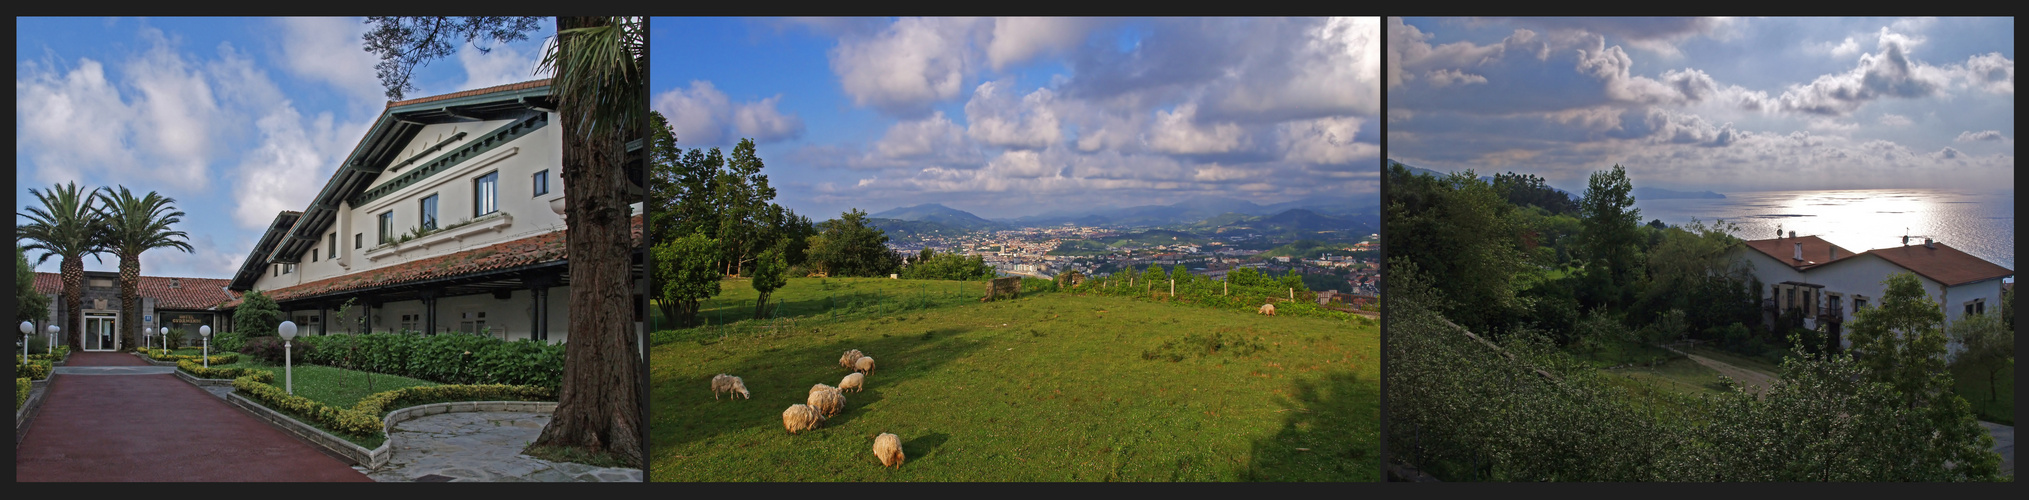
[95, 428]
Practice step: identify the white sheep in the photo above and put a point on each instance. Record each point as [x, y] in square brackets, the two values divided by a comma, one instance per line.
[801, 418]
[856, 382]
[849, 358]
[821, 387]
[830, 402]
[865, 364]
[889, 449]
[1268, 309]
[728, 383]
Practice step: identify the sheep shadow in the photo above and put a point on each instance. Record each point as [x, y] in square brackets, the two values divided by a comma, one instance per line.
[683, 412]
[1337, 418]
[925, 446]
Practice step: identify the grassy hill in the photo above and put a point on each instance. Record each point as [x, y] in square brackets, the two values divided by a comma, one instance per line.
[1050, 387]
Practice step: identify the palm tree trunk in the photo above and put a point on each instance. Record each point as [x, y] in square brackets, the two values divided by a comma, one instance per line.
[73, 300]
[599, 404]
[130, 300]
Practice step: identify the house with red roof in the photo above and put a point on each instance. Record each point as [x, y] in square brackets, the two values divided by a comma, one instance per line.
[174, 304]
[1827, 283]
[447, 217]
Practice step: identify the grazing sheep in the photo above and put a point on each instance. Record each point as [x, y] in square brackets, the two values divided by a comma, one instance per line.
[849, 358]
[801, 418]
[728, 383]
[856, 382]
[821, 387]
[829, 401]
[889, 449]
[865, 364]
[1268, 309]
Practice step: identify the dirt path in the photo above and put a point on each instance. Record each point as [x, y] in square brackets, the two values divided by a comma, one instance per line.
[1754, 381]
[103, 428]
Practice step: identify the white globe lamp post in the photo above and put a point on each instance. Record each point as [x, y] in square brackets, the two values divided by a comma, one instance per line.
[205, 331]
[288, 331]
[52, 339]
[27, 328]
[147, 335]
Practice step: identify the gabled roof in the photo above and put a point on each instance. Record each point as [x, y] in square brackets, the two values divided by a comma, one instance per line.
[534, 250]
[1817, 251]
[1942, 263]
[256, 261]
[168, 292]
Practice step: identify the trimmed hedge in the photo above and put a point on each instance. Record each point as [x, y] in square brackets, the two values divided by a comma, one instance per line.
[61, 352]
[198, 370]
[452, 358]
[38, 370]
[216, 359]
[364, 418]
[21, 388]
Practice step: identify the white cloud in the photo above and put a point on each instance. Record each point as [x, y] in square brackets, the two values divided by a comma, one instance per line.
[1990, 72]
[1021, 164]
[760, 121]
[1326, 141]
[1983, 136]
[1017, 39]
[1331, 68]
[271, 177]
[1895, 120]
[1887, 73]
[908, 66]
[1176, 132]
[702, 116]
[995, 117]
[328, 49]
[1446, 77]
[935, 138]
[501, 64]
[1843, 49]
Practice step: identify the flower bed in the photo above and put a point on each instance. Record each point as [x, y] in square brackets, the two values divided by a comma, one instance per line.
[200, 371]
[59, 354]
[363, 420]
[216, 359]
[32, 369]
[21, 388]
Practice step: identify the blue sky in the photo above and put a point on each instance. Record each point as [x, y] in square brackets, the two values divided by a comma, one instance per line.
[235, 118]
[1741, 104]
[1017, 116]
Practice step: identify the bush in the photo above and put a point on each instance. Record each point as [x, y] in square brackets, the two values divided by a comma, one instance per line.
[216, 359]
[445, 359]
[21, 388]
[38, 370]
[269, 349]
[229, 341]
[364, 418]
[199, 371]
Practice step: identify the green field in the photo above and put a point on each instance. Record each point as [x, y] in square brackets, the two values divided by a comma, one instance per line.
[335, 387]
[1997, 406]
[1049, 387]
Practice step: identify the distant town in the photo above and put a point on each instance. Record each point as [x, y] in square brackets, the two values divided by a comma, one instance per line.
[1345, 263]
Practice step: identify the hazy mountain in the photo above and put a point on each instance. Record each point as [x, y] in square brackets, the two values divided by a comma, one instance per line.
[940, 214]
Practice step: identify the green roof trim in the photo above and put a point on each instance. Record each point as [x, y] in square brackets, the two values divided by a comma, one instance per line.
[471, 149]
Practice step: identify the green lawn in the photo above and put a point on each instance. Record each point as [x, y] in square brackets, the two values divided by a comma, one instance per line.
[1997, 406]
[335, 387]
[1755, 363]
[1681, 376]
[1050, 387]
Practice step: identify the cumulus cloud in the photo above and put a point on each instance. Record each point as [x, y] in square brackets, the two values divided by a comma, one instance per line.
[1177, 132]
[1895, 120]
[1842, 49]
[907, 67]
[1990, 72]
[935, 138]
[499, 65]
[1017, 39]
[327, 49]
[1334, 69]
[160, 121]
[1446, 77]
[1887, 73]
[996, 117]
[1410, 52]
[1982, 136]
[1326, 141]
[702, 116]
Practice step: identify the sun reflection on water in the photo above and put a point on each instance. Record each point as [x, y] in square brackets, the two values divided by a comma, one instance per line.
[1982, 224]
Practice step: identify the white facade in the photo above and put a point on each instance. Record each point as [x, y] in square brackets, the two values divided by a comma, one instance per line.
[1854, 281]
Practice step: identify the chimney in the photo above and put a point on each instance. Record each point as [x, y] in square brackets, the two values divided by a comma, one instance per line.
[175, 282]
[1928, 243]
[1799, 252]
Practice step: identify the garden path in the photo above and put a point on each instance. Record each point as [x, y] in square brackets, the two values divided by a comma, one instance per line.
[155, 427]
[482, 446]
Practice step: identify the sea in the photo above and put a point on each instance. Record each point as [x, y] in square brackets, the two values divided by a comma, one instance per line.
[1979, 223]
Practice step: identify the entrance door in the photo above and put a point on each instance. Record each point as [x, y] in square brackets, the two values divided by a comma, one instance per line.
[102, 332]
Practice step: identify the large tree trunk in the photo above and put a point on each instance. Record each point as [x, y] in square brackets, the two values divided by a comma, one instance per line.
[599, 405]
[73, 301]
[130, 300]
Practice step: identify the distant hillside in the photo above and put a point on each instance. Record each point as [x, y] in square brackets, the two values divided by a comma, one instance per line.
[1649, 193]
[1157, 237]
[1305, 249]
[947, 216]
[898, 228]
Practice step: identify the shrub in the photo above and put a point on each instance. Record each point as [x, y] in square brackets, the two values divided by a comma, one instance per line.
[269, 349]
[38, 370]
[364, 418]
[446, 359]
[198, 370]
[21, 388]
[216, 359]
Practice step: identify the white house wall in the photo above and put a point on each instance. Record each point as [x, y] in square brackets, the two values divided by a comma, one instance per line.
[1862, 275]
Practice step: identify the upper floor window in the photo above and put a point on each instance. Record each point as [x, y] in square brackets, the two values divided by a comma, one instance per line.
[485, 194]
[331, 246]
[541, 182]
[387, 227]
[289, 268]
[1976, 306]
[357, 240]
[429, 212]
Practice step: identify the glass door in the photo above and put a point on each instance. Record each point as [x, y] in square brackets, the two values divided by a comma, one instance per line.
[101, 332]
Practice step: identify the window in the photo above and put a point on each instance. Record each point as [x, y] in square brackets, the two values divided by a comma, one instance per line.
[387, 227]
[484, 191]
[542, 182]
[289, 268]
[409, 322]
[1976, 306]
[278, 269]
[313, 255]
[1859, 303]
[357, 239]
[472, 322]
[429, 212]
[331, 246]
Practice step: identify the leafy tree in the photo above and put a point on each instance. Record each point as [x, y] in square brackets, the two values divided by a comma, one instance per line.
[1459, 231]
[932, 265]
[67, 225]
[1900, 341]
[1530, 190]
[1610, 237]
[770, 273]
[847, 246]
[743, 193]
[688, 272]
[1986, 343]
[257, 316]
[136, 225]
[406, 42]
[30, 305]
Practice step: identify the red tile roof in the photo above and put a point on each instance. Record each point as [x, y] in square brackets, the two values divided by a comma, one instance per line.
[1942, 264]
[189, 293]
[547, 247]
[488, 90]
[1817, 251]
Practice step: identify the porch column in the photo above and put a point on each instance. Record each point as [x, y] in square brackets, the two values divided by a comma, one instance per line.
[323, 319]
[430, 312]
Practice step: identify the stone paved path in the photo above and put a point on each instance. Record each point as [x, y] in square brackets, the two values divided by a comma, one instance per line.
[481, 446]
[155, 427]
[2004, 444]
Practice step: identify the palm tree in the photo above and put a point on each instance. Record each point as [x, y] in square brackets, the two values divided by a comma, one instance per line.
[68, 226]
[135, 225]
[600, 90]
